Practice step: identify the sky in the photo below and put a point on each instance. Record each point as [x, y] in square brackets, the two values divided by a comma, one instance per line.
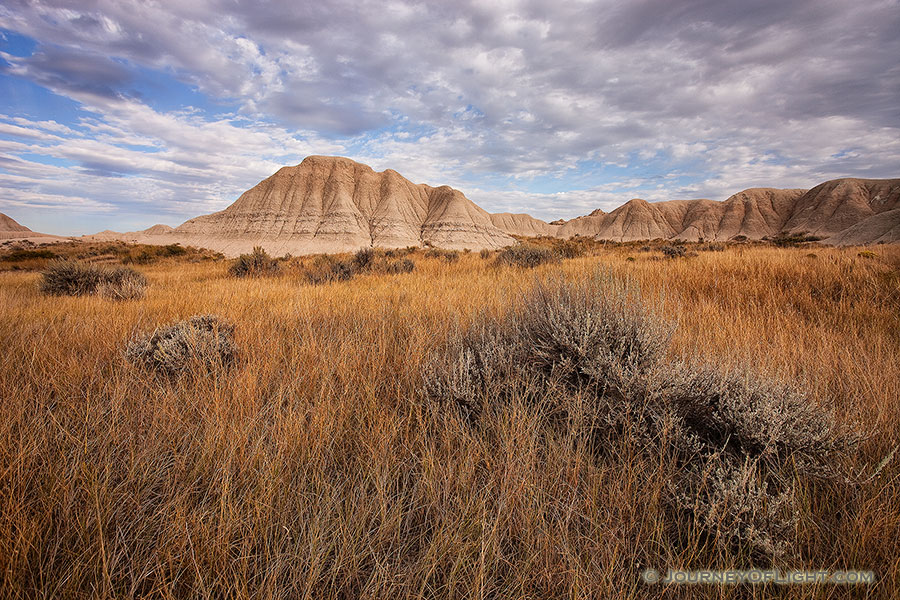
[118, 114]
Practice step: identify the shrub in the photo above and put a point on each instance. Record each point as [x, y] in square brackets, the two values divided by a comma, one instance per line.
[256, 264]
[867, 254]
[24, 254]
[790, 240]
[673, 251]
[201, 342]
[526, 256]
[750, 438]
[145, 253]
[403, 265]
[449, 256]
[595, 335]
[363, 259]
[75, 278]
[327, 268]
[485, 253]
[571, 248]
[739, 441]
[713, 247]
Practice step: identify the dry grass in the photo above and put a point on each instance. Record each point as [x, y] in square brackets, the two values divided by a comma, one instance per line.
[314, 469]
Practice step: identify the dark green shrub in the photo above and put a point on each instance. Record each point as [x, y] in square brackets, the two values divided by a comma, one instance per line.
[202, 342]
[75, 278]
[256, 264]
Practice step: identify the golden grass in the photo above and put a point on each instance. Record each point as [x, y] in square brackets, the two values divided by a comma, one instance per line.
[313, 469]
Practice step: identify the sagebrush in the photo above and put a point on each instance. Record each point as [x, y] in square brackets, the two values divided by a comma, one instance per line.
[733, 436]
[201, 342]
[76, 278]
[257, 263]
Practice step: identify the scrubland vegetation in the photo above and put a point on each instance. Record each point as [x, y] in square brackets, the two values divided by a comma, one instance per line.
[37, 258]
[465, 427]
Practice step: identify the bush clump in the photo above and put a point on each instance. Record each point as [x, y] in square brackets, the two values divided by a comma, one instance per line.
[738, 442]
[21, 254]
[572, 247]
[449, 256]
[526, 255]
[202, 342]
[363, 259]
[673, 251]
[713, 247]
[327, 268]
[403, 265]
[75, 278]
[791, 240]
[256, 264]
[144, 254]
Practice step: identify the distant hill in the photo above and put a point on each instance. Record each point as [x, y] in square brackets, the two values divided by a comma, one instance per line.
[11, 231]
[842, 211]
[334, 204]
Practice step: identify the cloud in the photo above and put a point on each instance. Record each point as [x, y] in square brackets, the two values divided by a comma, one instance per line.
[489, 97]
[72, 71]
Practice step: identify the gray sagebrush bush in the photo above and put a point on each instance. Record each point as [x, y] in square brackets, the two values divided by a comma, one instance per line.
[597, 334]
[560, 335]
[75, 278]
[739, 442]
[747, 414]
[749, 440]
[202, 342]
[735, 503]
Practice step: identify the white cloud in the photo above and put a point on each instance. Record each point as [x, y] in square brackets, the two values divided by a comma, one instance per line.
[728, 94]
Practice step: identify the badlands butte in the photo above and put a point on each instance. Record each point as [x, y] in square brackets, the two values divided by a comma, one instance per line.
[334, 204]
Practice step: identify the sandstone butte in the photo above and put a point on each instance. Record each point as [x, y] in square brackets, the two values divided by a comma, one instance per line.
[334, 204]
[12, 232]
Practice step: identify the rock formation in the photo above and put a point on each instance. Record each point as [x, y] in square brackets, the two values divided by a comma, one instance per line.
[842, 211]
[523, 225]
[12, 232]
[333, 204]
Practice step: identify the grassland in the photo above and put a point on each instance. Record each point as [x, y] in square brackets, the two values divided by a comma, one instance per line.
[315, 469]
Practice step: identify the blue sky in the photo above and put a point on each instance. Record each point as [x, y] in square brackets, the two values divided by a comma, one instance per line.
[119, 114]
